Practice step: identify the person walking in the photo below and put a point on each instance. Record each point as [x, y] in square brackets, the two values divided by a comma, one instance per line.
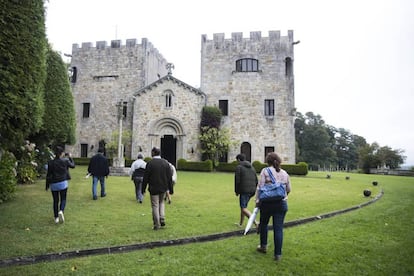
[275, 209]
[245, 183]
[99, 169]
[136, 172]
[57, 180]
[174, 180]
[158, 177]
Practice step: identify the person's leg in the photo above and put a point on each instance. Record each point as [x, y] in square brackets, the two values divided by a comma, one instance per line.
[155, 201]
[140, 195]
[55, 195]
[264, 221]
[136, 185]
[243, 201]
[94, 184]
[102, 181]
[278, 221]
[63, 194]
[162, 209]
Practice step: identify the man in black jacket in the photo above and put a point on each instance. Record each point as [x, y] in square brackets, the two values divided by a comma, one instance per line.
[245, 182]
[99, 169]
[158, 177]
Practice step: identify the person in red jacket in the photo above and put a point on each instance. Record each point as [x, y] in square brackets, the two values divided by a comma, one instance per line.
[158, 177]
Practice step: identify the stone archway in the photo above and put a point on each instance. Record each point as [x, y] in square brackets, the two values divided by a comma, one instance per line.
[170, 133]
[246, 148]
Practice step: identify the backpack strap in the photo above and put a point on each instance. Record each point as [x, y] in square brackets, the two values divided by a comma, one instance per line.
[271, 175]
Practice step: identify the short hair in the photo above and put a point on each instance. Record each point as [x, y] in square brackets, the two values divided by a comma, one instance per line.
[241, 157]
[140, 156]
[58, 151]
[155, 151]
[101, 149]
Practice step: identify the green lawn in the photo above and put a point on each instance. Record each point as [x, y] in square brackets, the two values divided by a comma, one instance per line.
[374, 240]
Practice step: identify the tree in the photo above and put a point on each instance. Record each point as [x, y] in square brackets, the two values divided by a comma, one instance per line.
[22, 70]
[390, 158]
[215, 142]
[59, 122]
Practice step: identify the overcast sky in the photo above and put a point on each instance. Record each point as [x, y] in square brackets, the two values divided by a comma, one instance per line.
[354, 65]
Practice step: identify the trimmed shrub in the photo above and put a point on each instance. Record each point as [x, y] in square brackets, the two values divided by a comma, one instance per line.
[227, 167]
[7, 176]
[204, 166]
[293, 169]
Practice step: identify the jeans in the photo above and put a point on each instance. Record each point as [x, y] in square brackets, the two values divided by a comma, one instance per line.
[138, 188]
[276, 210]
[95, 180]
[158, 210]
[56, 195]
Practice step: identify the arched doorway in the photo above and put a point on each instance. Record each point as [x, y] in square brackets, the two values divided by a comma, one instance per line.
[170, 133]
[246, 149]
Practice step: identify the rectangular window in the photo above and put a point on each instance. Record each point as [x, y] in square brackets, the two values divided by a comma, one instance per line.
[124, 109]
[84, 150]
[86, 110]
[224, 107]
[267, 150]
[269, 108]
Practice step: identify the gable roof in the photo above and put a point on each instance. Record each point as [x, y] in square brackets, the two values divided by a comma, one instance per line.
[170, 78]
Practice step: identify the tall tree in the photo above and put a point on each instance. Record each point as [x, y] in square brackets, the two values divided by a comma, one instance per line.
[22, 70]
[59, 117]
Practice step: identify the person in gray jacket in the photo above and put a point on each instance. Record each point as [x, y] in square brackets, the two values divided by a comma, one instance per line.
[245, 182]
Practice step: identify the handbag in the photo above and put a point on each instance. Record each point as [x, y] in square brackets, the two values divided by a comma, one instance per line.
[272, 192]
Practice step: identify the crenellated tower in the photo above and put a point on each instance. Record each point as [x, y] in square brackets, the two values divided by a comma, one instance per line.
[251, 80]
[103, 79]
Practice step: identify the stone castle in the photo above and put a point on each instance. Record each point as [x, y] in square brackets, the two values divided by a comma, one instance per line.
[131, 87]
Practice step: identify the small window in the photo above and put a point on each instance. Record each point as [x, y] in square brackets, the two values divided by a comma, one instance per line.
[224, 107]
[86, 110]
[168, 98]
[267, 150]
[124, 109]
[73, 71]
[288, 67]
[269, 108]
[247, 65]
[84, 150]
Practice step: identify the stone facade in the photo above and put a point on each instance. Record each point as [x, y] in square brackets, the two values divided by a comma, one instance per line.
[255, 129]
[163, 111]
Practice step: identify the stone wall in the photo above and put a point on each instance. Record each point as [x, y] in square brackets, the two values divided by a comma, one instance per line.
[247, 91]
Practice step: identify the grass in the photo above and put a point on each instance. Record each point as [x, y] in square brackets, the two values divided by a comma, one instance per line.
[374, 240]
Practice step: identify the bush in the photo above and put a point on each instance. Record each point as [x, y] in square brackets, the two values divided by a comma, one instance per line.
[293, 169]
[204, 166]
[7, 176]
[227, 167]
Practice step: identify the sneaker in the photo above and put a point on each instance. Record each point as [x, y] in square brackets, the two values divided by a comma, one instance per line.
[261, 249]
[61, 216]
[155, 227]
[162, 223]
[57, 220]
[95, 197]
[103, 195]
[278, 258]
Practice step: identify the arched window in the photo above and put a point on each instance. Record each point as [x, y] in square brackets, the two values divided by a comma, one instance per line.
[247, 65]
[168, 98]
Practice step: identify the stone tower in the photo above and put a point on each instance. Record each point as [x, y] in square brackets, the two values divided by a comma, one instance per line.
[251, 80]
[104, 79]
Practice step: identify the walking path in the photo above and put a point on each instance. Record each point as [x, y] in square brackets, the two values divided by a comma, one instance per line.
[149, 245]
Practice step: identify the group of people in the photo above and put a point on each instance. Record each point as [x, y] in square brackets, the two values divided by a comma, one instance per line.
[246, 186]
[159, 176]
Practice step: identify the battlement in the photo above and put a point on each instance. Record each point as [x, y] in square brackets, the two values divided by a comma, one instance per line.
[219, 40]
[114, 44]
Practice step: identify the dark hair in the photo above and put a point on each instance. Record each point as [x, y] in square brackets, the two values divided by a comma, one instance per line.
[274, 160]
[58, 151]
[155, 151]
[241, 157]
[140, 156]
[101, 150]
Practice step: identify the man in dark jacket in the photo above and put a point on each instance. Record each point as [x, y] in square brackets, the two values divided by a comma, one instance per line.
[158, 177]
[245, 182]
[99, 169]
